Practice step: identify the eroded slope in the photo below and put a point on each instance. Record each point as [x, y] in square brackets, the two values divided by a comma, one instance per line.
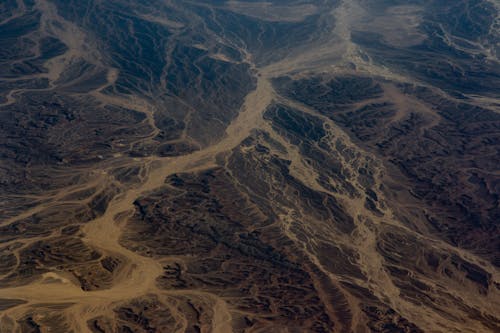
[231, 166]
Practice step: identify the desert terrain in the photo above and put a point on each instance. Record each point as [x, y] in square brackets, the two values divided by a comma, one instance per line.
[245, 166]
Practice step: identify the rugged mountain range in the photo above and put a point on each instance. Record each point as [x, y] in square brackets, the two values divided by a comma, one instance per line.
[244, 166]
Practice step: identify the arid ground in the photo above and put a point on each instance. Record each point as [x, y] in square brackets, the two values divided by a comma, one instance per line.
[245, 166]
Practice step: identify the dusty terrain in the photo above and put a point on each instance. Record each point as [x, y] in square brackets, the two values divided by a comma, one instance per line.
[234, 166]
